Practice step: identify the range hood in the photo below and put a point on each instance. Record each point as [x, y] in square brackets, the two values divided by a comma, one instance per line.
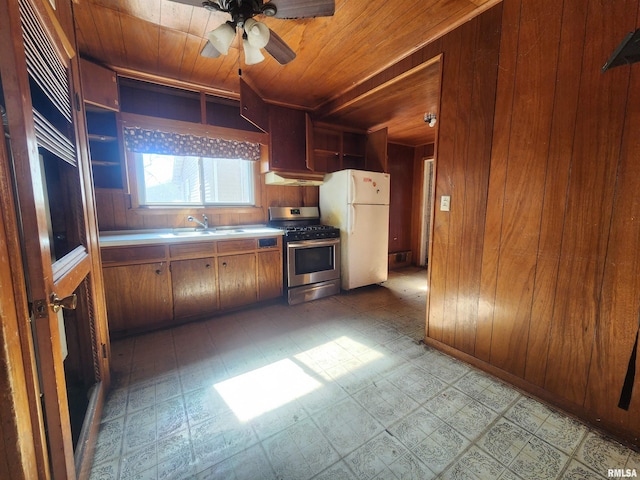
[294, 179]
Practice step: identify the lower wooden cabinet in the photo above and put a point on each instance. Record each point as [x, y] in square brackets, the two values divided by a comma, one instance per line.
[237, 277]
[269, 275]
[195, 291]
[138, 296]
[194, 280]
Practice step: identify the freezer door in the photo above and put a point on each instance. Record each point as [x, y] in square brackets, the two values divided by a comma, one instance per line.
[370, 188]
[365, 245]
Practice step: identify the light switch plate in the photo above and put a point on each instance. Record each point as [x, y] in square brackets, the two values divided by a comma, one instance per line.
[445, 203]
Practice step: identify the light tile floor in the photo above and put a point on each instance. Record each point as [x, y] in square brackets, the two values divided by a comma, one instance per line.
[338, 388]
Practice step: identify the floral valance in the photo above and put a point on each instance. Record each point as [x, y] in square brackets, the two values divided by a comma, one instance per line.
[141, 140]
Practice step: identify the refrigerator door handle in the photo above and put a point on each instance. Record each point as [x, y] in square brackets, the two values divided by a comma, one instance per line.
[352, 191]
[352, 219]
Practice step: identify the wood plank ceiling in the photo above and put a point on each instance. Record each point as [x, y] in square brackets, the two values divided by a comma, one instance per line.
[162, 40]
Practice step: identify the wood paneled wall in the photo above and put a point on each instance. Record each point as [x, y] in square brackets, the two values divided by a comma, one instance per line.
[114, 212]
[400, 167]
[534, 271]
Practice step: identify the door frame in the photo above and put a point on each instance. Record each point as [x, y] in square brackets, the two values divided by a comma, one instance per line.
[42, 277]
[427, 210]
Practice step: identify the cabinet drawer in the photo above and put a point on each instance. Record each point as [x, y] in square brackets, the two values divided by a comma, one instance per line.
[240, 245]
[133, 254]
[192, 250]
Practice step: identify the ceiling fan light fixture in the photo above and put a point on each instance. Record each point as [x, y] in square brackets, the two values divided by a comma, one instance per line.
[222, 37]
[252, 55]
[257, 33]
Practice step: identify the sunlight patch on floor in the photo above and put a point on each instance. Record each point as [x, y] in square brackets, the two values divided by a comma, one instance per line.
[266, 388]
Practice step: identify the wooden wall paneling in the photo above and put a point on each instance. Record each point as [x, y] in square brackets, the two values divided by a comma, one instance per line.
[557, 177]
[476, 174]
[524, 187]
[620, 304]
[497, 178]
[133, 219]
[594, 163]
[455, 160]
[105, 211]
[155, 221]
[401, 171]
[310, 196]
[459, 268]
[438, 328]
[121, 203]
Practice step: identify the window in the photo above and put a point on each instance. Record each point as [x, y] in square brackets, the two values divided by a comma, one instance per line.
[175, 180]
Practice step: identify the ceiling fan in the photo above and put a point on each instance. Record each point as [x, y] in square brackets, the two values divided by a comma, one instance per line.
[256, 35]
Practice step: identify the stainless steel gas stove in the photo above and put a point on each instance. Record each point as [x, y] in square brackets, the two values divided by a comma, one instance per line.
[311, 253]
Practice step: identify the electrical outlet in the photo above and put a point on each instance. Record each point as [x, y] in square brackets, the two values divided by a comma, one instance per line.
[445, 203]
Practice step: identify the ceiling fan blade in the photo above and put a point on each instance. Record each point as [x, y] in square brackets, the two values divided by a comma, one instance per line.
[194, 3]
[209, 51]
[304, 8]
[278, 49]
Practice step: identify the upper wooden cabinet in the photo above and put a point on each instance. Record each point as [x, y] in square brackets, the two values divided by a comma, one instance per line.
[376, 151]
[287, 143]
[99, 85]
[332, 148]
[252, 107]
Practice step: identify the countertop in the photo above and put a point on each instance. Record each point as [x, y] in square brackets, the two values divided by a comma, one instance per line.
[118, 238]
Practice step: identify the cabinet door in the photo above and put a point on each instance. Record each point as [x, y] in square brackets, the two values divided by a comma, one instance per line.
[287, 142]
[99, 85]
[376, 151]
[138, 296]
[252, 107]
[194, 287]
[269, 274]
[237, 280]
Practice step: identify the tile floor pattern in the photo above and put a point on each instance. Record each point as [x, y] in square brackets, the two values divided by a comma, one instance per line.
[338, 388]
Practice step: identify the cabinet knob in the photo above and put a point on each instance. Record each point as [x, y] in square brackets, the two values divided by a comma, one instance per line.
[158, 272]
[208, 265]
[224, 264]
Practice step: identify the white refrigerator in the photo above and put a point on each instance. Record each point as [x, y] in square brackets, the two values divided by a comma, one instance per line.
[357, 202]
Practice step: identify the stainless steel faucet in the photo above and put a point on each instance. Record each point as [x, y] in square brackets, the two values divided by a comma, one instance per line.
[204, 224]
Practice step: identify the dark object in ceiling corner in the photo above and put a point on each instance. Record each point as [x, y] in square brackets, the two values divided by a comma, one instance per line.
[626, 53]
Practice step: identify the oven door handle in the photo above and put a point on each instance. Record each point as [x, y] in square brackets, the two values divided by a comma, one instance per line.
[313, 243]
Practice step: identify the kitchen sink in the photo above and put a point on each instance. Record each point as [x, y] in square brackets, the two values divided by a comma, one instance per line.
[192, 233]
[204, 233]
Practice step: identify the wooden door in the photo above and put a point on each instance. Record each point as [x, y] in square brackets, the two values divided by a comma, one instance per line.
[138, 296]
[52, 186]
[237, 280]
[194, 287]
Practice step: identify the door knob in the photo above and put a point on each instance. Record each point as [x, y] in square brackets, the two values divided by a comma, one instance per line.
[69, 303]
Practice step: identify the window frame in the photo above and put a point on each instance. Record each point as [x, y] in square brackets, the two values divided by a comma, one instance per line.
[180, 127]
[138, 159]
